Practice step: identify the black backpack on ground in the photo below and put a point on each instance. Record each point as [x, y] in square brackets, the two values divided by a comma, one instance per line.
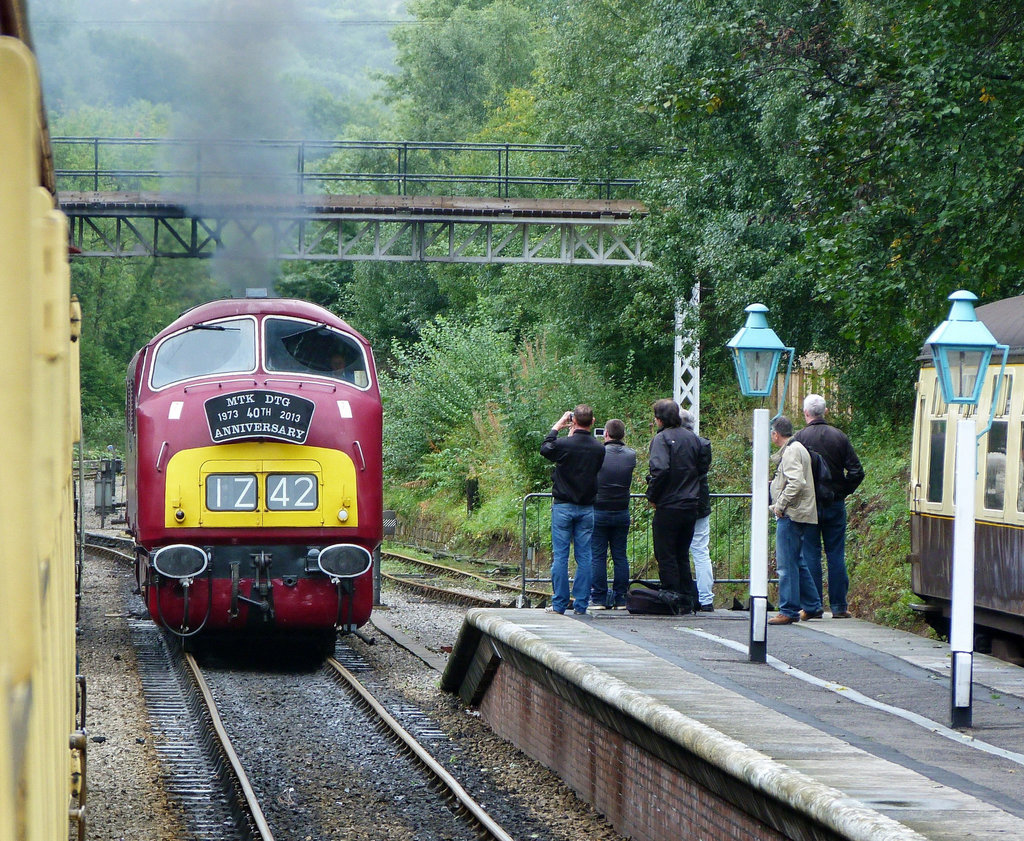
[648, 598]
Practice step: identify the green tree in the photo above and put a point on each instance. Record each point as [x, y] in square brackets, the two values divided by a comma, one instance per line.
[124, 304]
[459, 63]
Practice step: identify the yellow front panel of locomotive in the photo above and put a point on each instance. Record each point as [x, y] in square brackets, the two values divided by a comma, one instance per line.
[260, 484]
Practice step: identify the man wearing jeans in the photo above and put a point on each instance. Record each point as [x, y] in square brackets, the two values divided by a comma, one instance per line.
[702, 568]
[796, 518]
[837, 451]
[611, 518]
[578, 458]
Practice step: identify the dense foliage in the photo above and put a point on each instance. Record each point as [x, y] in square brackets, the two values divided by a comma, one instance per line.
[847, 163]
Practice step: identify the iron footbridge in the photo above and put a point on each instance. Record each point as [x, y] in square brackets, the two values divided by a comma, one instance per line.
[405, 202]
[444, 229]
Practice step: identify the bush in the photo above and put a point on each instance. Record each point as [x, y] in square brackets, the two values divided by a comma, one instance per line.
[100, 431]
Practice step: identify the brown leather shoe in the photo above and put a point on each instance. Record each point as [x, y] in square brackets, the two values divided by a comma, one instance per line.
[843, 614]
[804, 615]
[782, 619]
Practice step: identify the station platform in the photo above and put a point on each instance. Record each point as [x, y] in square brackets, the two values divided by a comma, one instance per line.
[668, 729]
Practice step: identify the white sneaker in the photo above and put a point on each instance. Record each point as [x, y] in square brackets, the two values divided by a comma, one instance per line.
[550, 609]
[599, 607]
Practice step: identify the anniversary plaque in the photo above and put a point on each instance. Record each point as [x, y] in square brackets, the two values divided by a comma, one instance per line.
[259, 414]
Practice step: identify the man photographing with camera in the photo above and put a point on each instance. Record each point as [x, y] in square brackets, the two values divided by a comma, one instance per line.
[578, 458]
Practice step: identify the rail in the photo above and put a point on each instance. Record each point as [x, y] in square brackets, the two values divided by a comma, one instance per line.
[240, 780]
[196, 166]
[483, 582]
[465, 806]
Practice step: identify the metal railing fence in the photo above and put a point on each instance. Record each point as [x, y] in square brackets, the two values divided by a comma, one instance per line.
[729, 543]
[319, 167]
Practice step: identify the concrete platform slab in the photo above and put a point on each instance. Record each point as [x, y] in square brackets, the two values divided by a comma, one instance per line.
[842, 735]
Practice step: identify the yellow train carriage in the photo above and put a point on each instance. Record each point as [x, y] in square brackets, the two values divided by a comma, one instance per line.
[999, 493]
[41, 740]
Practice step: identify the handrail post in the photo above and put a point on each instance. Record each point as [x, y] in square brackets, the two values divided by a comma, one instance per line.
[96, 164]
[506, 167]
[403, 169]
[522, 568]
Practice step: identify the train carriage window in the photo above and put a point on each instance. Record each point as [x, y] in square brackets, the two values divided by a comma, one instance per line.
[995, 466]
[936, 460]
[299, 347]
[1020, 483]
[1006, 395]
[220, 347]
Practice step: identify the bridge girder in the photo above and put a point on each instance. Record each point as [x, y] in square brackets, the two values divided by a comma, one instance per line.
[384, 239]
[331, 229]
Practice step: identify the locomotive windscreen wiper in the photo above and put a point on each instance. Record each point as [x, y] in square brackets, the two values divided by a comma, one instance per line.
[211, 327]
[296, 337]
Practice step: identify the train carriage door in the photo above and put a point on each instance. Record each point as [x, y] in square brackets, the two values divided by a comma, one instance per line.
[937, 445]
[917, 457]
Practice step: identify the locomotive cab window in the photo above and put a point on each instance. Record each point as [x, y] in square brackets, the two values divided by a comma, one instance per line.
[221, 347]
[300, 347]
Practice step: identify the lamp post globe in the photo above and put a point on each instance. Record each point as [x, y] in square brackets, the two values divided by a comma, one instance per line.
[755, 351]
[961, 348]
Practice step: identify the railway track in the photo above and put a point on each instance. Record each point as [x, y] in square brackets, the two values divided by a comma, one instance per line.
[209, 776]
[533, 597]
[292, 810]
[472, 812]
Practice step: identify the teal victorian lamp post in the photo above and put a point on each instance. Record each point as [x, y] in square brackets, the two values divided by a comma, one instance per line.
[756, 352]
[961, 348]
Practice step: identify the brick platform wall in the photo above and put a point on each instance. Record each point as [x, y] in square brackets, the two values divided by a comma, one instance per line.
[643, 797]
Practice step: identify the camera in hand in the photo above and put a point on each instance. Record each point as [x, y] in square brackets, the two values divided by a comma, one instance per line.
[599, 432]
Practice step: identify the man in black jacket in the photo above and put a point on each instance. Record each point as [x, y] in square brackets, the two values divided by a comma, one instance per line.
[677, 462]
[837, 451]
[611, 518]
[578, 458]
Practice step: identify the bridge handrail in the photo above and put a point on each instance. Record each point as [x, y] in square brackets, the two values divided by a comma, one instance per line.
[482, 146]
[397, 170]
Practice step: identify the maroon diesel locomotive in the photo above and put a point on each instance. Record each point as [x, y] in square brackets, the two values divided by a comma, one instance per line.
[253, 470]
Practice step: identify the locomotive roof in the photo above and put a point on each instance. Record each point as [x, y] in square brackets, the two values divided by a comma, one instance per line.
[256, 306]
[1005, 319]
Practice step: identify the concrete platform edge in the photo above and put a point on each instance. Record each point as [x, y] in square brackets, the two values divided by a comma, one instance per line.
[828, 806]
